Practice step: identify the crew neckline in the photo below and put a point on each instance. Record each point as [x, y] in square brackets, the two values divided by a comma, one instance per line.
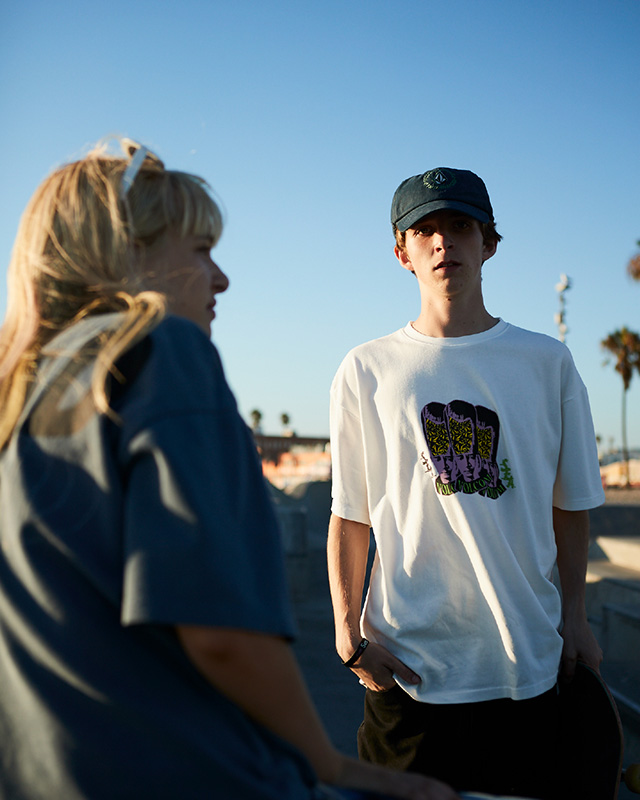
[457, 341]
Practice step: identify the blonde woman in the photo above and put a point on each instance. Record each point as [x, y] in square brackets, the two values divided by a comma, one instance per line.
[144, 622]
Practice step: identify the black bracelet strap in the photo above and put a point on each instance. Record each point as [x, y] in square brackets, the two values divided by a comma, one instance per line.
[359, 651]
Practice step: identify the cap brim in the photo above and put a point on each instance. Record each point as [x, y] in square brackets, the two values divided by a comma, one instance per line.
[424, 210]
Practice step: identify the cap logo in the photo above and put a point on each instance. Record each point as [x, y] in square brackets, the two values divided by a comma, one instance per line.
[439, 179]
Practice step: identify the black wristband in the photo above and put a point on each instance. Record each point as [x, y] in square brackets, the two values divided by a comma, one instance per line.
[359, 651]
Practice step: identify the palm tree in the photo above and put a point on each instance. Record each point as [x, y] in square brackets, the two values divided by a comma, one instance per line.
[633, 267]
[256, 419]
[625, 346]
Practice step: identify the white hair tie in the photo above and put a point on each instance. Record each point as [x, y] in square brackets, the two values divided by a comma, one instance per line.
[137, 160]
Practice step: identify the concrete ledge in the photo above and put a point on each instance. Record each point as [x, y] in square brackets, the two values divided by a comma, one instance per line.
[295, 540]
[603, 569]
[621, 635]
[621, 550]
[619, 517]
[609, 583]
[624, 683]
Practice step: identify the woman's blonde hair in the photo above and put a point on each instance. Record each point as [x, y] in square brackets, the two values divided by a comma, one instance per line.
[79, 249]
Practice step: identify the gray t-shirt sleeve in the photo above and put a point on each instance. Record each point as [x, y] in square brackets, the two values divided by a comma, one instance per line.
[201, 540]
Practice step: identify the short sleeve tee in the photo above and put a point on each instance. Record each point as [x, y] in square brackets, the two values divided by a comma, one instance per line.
[115, 529]
[455, 452]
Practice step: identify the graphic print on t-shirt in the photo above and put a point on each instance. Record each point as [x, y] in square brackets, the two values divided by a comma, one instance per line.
[463, 445]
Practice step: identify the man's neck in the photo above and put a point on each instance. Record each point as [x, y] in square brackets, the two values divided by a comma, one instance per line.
[449, 320]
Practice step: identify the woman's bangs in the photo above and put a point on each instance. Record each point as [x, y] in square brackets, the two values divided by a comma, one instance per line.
[201, 215]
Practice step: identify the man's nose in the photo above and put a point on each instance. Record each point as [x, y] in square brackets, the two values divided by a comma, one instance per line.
[442, 240]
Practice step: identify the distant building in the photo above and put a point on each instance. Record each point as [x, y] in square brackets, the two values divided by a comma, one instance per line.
[290, 460]
[614, 474]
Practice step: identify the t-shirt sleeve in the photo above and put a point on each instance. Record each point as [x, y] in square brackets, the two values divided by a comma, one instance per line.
[201, 540]
[578, 485]
[349, 486]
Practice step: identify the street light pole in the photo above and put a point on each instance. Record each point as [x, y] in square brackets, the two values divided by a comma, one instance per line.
[559, 317]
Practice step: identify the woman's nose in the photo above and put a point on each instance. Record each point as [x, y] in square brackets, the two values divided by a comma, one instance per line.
[219, 280]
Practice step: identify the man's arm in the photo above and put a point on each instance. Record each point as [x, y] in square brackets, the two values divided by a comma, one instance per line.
[347, 550]
[572, 540]
[258, 672]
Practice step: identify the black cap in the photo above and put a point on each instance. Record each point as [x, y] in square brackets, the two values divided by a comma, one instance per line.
[443, 187]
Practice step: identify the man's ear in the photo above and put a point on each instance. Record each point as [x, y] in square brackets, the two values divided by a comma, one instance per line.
[489, 250]
[403, 258]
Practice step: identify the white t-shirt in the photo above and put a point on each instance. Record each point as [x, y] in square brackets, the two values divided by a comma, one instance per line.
[455, 451]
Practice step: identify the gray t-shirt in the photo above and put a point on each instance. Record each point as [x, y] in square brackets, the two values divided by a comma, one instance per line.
[112, 532]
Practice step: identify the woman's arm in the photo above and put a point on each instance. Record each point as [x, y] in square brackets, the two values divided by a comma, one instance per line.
[259, 673]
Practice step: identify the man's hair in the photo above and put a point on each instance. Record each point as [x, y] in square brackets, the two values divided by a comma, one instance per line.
[80, 251]
[489, 235]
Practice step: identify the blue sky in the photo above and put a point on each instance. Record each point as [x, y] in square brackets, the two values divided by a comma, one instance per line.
[305, 116]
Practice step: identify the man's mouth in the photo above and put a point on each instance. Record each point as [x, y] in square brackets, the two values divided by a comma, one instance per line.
[447, 264]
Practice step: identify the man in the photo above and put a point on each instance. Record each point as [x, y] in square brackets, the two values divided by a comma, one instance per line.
[467, 445]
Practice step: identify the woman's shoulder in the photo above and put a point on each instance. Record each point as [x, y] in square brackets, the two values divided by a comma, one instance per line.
[176, 335]
[175, 345]
[175, 367]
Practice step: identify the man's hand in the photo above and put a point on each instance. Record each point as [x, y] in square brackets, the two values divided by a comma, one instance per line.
[377, 666]
[579, 644]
